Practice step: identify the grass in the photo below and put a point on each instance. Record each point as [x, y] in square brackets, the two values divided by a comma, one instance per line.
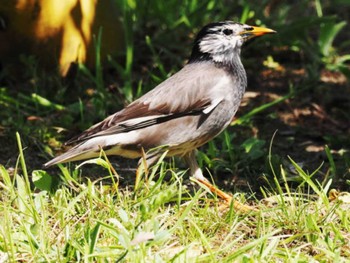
[61, 215]
[163, 221]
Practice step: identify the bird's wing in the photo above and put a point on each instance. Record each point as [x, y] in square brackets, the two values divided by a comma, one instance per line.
[188, 92]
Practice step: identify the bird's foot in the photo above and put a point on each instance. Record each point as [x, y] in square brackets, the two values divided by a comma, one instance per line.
[227, 198]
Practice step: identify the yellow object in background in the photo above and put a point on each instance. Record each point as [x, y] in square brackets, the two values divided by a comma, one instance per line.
[57, 32]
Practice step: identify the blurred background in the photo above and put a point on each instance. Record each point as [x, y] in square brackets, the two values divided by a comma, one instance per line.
[66, 65]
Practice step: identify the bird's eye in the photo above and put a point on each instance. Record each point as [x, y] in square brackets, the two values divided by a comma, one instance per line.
[227, 31]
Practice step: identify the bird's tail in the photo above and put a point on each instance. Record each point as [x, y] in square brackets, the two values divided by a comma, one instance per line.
[74, 154]
[92, 148]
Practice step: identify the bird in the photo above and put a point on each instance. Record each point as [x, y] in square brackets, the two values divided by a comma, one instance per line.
[182, 113]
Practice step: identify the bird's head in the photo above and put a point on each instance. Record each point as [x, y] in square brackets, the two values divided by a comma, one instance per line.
[222, 41]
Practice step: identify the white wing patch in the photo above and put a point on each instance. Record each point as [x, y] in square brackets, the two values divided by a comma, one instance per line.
[212, 105]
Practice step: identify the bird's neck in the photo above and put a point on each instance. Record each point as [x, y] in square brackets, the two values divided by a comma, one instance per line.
[229, 61]
[233, 64]
[235, 67]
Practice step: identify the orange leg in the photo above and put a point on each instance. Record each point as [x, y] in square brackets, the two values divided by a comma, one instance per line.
[227, 198]
[196, 173]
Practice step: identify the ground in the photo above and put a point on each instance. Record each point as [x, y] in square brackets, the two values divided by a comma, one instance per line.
[286, 152]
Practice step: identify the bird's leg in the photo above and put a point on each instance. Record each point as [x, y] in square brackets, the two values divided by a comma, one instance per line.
[197, 174]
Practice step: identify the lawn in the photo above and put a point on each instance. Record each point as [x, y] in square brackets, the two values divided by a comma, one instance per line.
[286, 153]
